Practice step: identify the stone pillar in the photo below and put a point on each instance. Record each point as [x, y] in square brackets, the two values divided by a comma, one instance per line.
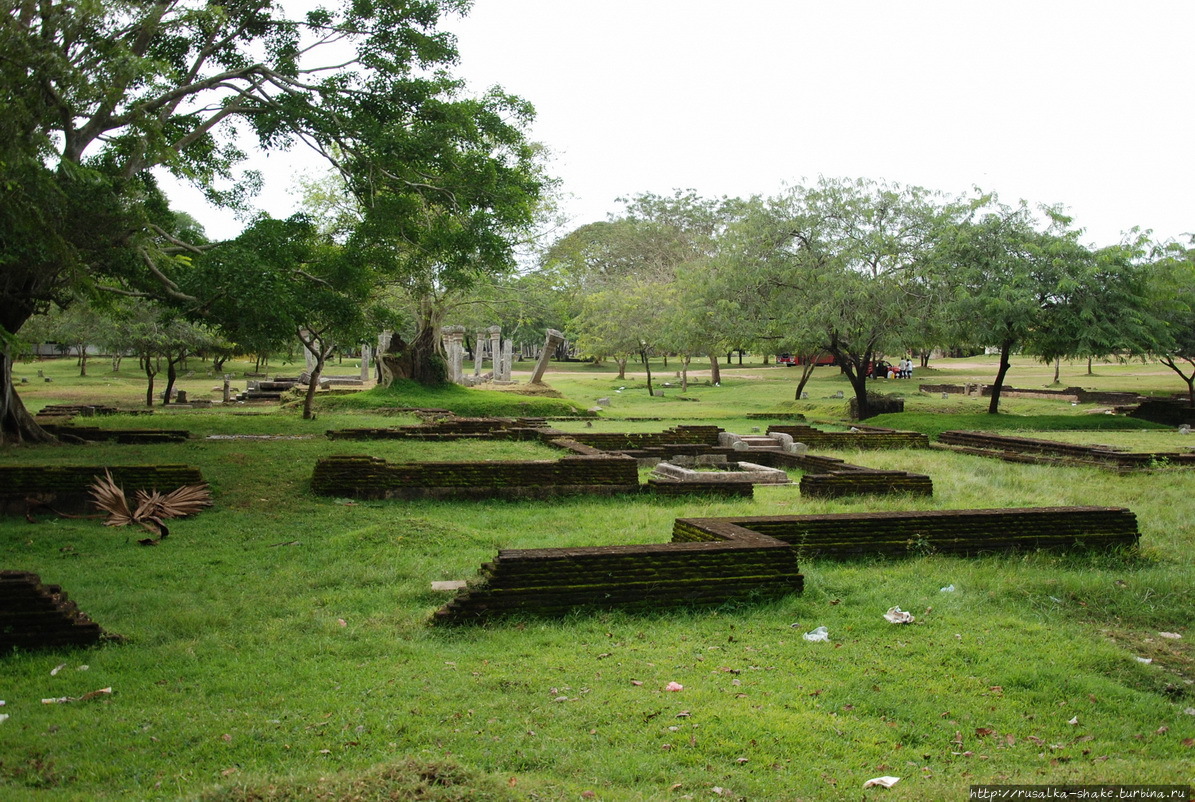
[364, 363]
[478, 354]
[553, 339]
[227, 387]
[454, 340]
[508, 355]
[307, 355]
[495, 333]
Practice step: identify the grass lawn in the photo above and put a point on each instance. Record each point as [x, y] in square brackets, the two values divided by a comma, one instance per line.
[279, 648]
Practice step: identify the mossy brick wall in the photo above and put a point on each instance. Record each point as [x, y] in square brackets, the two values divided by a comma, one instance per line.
[452, 428]
[369, 477]
[553, 582]
[724, 489]
[614, 441]
[1166, 411]
[816, 438]
[124, 436]
[37, 616]
[830, 477]
[965, 532]
[66, 487]
[1004, 446]
[854, 483]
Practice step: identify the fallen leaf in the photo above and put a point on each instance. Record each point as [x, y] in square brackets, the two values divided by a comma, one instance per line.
[666, 747]
[884, 782]
[588, 794]
[1162, 730]
[983, 732]
[1074, 722]
[1188, 741]
[1171, 635]
[512, 782]
[227, 772]
[226, 737]
[636, 682]
[674, 686]
[85, 697]
[342, 622]
[740, 760]
[54, 671]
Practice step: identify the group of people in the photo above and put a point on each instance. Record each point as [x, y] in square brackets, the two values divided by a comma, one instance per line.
[903, 369]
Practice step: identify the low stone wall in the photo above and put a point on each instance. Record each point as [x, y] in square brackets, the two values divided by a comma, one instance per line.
[1169, 412]
[369, 477]
[126, 436]
[1015, 448]
[830, 477]
[37, 616]
[616, 441]
[450, 428]
[966, 532]
[1076, 394]
[553, 582]
[65, 488]
[869, 438]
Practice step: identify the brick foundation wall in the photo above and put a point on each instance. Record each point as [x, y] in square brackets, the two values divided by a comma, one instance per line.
[816, 438]
[553, 582]
[66, 487]
[369, 477]
[37, 616]
[966, 532]
[1007, 447]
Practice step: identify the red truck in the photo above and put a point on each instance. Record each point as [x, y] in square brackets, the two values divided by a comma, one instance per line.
[788, 360]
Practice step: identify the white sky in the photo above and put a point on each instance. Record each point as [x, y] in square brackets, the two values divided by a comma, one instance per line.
[1087, 103]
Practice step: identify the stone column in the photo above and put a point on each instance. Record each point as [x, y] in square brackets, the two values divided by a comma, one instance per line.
[508, 354]
[307, 355]
[495, 333]
[364, 363]
[478, 354]
[454, 339]
[553, 339]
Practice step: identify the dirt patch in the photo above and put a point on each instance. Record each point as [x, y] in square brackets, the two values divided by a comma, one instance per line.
[523, 388]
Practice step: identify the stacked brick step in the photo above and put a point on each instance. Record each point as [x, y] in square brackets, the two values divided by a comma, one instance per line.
[829, 477]
[1016, 448]
[37, 616]
[552, 582]
[869, 437]
[964, 532]
[66, 488]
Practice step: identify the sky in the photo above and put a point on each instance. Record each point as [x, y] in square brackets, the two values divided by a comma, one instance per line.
[1085, 104]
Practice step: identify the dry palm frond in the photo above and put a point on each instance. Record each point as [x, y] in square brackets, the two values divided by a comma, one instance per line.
[187, 500]
[152, 507]
[110, 498]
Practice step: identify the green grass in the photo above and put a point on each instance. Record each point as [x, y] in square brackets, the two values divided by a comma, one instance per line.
[461, 400]
[279, 646]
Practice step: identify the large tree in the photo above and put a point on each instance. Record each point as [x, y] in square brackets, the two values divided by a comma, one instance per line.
[97, 98]
[1023, 282]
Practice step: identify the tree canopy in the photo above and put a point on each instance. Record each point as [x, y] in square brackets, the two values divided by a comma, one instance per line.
[97, 98]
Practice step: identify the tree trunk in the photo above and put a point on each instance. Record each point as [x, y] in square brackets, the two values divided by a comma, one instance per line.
[1089, 371]
[171, 375]
[925, 359]
[1057, 368]
[806, 374]
[16, 424]
[1190, 380]
[647, 367]
[740, 356]
[622, 367]
[767, 359]
[684, 373]
[150, 372]
[715, 371]
[320, 351]
[421, 359]
[82, 359]
[1001, 372]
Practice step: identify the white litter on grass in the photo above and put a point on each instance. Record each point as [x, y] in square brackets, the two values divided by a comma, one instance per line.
[898, 616]
[1171, 635]
[885, 782]
[1145, 660]
[817, 635]
[1190, 711]
[54, 671]
[3, 717]
[947, 589]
